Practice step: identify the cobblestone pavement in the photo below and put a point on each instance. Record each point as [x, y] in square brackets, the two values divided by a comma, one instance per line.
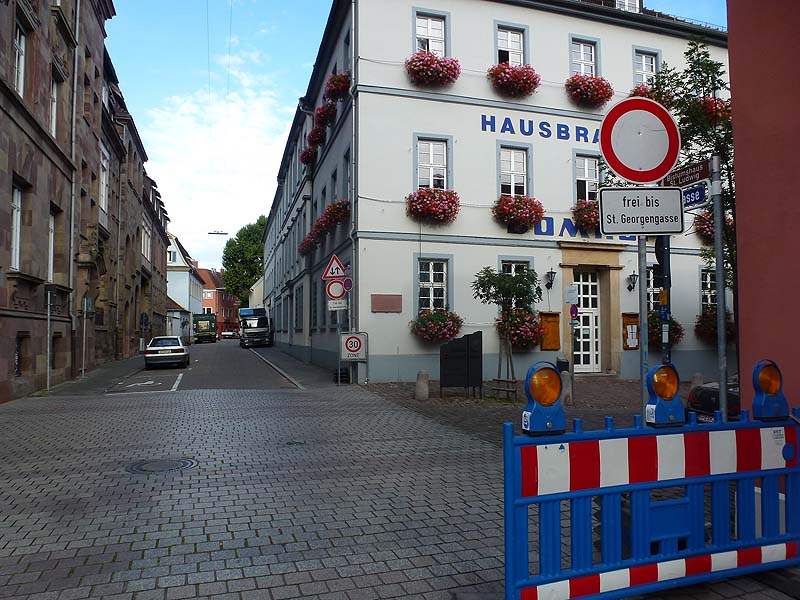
[329, 493]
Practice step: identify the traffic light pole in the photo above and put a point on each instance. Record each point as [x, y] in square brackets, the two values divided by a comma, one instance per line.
[665, 301]
[643, 333]
[722, 357]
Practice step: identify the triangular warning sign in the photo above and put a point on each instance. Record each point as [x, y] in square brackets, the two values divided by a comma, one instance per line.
[335, 269]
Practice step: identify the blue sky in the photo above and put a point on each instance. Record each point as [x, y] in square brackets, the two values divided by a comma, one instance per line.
[215, 136]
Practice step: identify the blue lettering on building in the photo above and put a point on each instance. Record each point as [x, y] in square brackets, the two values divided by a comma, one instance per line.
[545, 227]
[508, 126]
[544, 129]
[562, 131]
[526, 131]
[581, 134]
[487, 123]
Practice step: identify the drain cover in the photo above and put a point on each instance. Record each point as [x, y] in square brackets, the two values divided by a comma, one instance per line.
[161, 465]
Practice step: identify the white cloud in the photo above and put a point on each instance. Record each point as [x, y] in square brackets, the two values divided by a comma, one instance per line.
[215, 161]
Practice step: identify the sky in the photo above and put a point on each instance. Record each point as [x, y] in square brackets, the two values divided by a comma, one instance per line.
[213, 86]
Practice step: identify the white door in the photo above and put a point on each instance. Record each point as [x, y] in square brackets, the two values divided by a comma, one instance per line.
[587, 344]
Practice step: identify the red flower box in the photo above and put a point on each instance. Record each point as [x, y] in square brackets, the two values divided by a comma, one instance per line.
[430, 204]
[436, 325]
[337, 86]
[589, 91]
[704, 225]
[325, 115]
[643, 90]
[317, 136]
[586, 215]
[309, 155]
[522, 327]
[335, 213]
[518, 212]
[515, 81]
[654, 330]
[425, 68]
[705, 328]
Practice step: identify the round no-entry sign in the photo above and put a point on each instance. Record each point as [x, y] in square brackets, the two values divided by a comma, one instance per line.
[335, 289]
[640, 140]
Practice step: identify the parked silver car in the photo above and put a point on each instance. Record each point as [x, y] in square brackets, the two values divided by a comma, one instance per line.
[166, 350]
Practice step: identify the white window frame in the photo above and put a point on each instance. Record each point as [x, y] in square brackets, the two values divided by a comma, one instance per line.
[512, 42]
[16, 227]
[433, 169]
[19, 58]
[513, 171]
[512, 267]
[54, 83]
[708, 289]
[653, 292]
[51, 246]
[431, 33]
[645, 67]
[172, 256]
[105, 163]
[207, 310]
[147, 239]
[585, 63]
[435, 284]
[628, 5]
[587, 175]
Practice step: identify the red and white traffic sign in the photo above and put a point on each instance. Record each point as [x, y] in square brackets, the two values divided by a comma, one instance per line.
[335, 289]
[352, 343]
[335, 269]
[353, 346]
[640, 140]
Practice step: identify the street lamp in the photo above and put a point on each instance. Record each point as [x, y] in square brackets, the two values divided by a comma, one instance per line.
[217, 232]
[632, 279]
[549, 278]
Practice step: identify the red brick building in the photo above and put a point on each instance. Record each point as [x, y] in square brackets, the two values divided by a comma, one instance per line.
[218, 301]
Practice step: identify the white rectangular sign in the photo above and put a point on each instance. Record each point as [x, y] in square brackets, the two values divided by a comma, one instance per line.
[571, 295]
[353, 347]
[337, 304]
[641, 211]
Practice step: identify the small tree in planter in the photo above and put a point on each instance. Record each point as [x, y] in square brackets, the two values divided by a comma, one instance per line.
[516, 81]
[433, 205]
[586, 215]
[705, 328]
[518, 213]
[425, 68]
[654, 330]
[589, 91]
[436, 326]
[507, 291]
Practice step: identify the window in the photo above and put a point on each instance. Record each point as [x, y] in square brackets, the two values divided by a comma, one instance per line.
[346, 173]
[431, 164]
[172, 256]
[54, 107]
[629, 5]
[583, 58]
[652, 291]
[346, 61]
[586, 177]
[105, 159]
[432, 281]
[513, 267]
[513, 172]
[19, 59]
[510, 46]
[147, 233]
[104, 94]
[430, 34]
[314, 304]
[16, 226]
[51, 246]
[206, 310]
[708, 289]
[334, 186]
[298, 309]
[645, 66]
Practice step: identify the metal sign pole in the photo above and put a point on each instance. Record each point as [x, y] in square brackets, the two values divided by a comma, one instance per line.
[83, 351]
[722, 359]
[643, 334]
[49, 338]
[339, 354]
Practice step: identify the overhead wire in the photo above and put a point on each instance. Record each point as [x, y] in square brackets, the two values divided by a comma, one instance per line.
[230, 36]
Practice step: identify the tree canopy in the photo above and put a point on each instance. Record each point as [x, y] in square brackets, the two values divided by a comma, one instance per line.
[243, 259]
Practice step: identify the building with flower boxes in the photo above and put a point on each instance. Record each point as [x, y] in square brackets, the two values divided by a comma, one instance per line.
[461, 135]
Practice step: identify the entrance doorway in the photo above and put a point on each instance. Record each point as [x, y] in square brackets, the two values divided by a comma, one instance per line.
[587, 344]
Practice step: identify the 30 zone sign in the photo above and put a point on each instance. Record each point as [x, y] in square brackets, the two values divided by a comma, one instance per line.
[353, 347]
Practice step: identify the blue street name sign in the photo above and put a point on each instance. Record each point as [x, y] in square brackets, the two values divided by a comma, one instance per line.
[695, 195]
[663, 312]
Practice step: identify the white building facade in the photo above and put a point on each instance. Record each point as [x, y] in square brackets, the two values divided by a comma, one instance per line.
[184, 285]
[391, 137]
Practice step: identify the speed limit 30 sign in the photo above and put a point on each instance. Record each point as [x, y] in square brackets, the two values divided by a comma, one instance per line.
[353, 347]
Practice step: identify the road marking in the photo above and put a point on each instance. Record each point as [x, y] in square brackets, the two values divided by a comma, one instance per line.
[151, 382]
[177, 382]
[280, 371]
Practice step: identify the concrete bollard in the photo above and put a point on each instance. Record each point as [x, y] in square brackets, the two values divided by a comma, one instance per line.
[422, 387]
[566, 387]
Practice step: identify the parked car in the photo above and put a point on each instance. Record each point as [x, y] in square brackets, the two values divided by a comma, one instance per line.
[704, 400]
[230, 334]
[166, 350]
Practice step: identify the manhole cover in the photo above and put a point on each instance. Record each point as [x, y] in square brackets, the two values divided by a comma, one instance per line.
[162, 465]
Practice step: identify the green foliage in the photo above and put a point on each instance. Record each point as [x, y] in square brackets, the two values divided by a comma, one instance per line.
[243, 259]
[506, 289]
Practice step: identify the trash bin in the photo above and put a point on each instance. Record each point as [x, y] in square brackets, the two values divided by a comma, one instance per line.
[562, 364]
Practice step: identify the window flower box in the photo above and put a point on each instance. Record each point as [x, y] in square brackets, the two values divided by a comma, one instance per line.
[325, 115]
[586, 215]
[337, 87]
[335, 213]
[519, 213]
[705, 328]
[309, 155]
[589, 91]
[654, 330]
[317, 136]
[425, 68]
[704, 225]
[522, 327]
[435, 205]
[516, 81]
[436, 326]
[664, 98]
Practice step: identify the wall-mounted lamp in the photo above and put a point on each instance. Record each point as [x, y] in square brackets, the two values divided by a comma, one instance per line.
[632, 279]
[549, 278]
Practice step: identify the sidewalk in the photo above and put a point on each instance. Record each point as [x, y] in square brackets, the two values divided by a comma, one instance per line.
[98, 380]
